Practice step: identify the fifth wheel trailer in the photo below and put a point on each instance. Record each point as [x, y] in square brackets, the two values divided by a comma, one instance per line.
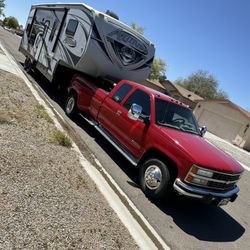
[77, 37]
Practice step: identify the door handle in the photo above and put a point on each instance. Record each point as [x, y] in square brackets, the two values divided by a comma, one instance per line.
[119, 112]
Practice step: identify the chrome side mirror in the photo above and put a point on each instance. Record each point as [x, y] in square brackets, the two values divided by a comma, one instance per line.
[203, 130]
[135, 111]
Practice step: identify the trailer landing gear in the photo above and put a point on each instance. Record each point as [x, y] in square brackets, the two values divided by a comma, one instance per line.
[27, 65]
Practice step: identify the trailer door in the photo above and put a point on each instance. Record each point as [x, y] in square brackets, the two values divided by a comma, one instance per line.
[44, 37]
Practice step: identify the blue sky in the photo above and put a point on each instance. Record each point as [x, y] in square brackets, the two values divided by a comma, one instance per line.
[189, 35]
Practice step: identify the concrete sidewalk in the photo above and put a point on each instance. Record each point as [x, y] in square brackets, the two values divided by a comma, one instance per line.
[5, 63]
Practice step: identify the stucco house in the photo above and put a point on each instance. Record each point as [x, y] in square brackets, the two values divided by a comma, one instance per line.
[226, 120]
[154, 84]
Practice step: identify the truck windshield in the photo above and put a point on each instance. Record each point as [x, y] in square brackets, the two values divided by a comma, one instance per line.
[175, 116]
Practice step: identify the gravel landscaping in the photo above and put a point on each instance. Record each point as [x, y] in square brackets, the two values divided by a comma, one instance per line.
[47, 201]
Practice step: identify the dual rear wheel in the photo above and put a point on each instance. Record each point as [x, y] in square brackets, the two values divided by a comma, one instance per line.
[71, 105]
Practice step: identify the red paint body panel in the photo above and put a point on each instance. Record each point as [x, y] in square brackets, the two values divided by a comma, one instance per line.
[137, 137]
[202, 152]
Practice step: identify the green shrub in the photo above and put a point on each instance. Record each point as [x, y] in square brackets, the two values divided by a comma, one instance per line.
[42, 113]
[60, 138]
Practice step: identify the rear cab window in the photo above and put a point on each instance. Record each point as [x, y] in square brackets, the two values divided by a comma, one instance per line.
[121, 92]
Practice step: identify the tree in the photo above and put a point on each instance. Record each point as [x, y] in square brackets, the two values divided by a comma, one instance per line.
[137, 28]
[158, 70]
[11, 22]
[203, 84]
[2, 5]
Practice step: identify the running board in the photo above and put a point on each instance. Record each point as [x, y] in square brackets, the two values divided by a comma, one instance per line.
[91, 122]
[109, 138]
[123, 151]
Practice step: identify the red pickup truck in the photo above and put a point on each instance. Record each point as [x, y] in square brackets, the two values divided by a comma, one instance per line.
[160, 136]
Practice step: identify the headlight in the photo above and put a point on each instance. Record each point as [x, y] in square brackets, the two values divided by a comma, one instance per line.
[205, 173]
[200, 181]
[201, 171]
[199, 176]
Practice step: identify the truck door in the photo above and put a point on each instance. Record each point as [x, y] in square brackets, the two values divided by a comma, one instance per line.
[134, 133]
[108, 111]
[113, 116]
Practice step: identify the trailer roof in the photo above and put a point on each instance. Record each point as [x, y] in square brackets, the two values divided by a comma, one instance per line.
[63, 4]
[93, 10]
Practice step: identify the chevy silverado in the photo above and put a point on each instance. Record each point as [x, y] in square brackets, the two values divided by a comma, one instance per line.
[160, 136]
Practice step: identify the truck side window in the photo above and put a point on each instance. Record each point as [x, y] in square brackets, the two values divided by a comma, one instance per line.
[121, 92]
[141, 98]
[71, 27]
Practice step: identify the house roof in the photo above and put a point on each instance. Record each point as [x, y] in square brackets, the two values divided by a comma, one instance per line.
[196, 98]
[155, 82]
[188, 94]
[182, 91]
[233, 105]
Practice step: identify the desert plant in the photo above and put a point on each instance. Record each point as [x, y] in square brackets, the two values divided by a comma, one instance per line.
[42, 113]
[60, 138]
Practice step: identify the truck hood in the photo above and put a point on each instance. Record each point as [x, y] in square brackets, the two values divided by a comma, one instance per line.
[202, 152]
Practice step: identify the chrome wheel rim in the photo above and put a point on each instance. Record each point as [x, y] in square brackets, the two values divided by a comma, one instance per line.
[153, 177]
[70, 105]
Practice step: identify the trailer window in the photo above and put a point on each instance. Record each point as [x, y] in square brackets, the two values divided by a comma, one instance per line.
[71, 27]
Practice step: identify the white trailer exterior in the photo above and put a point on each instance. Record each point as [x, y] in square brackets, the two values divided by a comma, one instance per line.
[80, 38]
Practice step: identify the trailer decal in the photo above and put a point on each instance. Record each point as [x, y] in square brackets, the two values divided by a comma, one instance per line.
[85, 40]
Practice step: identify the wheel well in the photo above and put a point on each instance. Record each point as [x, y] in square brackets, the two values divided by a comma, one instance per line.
[154, 153]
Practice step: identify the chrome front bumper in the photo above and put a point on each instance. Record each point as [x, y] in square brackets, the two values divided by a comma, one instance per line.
[204, 194]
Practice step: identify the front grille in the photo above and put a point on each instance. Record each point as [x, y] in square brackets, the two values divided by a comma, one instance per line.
[218, 181]
[218, 185]
[226, 177]
[223, 181]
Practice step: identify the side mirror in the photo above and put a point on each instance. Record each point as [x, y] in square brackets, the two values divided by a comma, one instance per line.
[203, 130]
[135, 111]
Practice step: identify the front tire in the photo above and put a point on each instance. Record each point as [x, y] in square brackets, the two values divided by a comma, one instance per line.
[71, 106]
[155, 179]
